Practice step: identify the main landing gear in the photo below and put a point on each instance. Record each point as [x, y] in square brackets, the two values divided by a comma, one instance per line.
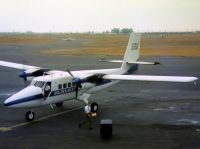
[94, 107]
[30, 116]
[84, 98]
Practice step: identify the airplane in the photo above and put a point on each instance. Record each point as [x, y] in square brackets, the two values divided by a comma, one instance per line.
[49, 86]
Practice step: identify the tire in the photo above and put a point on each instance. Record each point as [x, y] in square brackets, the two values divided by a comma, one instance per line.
[94, 107]
[59, 104]
[30, 116]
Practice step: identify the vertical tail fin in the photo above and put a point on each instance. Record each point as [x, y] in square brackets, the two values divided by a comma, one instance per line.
[132, 51]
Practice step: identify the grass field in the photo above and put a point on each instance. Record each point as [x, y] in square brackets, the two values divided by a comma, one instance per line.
[109, 44]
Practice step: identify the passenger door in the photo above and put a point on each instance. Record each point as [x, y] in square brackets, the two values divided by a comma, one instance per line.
[47, 90]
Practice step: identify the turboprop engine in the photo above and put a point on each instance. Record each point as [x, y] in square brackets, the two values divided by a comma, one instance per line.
[28, 75]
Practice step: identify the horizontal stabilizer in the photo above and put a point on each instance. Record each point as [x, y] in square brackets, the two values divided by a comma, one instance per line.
[144, 63]
[111, 61]
[150, 78]
[130, 62]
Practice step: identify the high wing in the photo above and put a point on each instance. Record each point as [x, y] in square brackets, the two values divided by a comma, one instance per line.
[17, 66]
[150, 78]
[29, 72]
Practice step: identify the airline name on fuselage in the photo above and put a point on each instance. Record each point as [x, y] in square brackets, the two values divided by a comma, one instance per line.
[63, 91]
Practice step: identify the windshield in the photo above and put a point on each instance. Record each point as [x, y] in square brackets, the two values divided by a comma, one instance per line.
[39, 84]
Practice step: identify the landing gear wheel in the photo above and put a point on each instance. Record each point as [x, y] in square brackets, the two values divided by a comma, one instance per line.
[30, 116]
[59, 104]
[94, 107]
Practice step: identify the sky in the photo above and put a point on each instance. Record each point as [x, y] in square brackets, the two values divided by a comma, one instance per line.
[99, 15]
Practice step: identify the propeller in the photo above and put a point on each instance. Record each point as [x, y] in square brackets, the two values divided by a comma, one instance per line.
[33, 73]
[23, 75]
[77, 82]
[96, 79]
[70, 73]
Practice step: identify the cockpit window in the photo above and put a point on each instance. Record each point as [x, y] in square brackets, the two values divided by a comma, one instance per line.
[39, 84]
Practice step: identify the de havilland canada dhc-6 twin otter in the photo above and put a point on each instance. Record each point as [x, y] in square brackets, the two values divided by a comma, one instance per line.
[49, 87]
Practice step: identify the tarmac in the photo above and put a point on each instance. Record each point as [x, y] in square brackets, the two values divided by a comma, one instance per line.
[145, 114]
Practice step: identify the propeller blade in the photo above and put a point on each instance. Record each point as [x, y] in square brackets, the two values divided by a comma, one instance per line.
[25, 79]
[76, 89]
[77, 81]
[70, 73]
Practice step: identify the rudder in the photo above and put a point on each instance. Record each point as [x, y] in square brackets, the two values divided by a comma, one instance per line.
[132, 51]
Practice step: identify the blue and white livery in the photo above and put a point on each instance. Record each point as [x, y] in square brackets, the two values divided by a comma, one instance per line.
[49, 87]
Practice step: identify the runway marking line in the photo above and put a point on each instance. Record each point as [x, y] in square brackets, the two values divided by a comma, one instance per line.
[5, 129]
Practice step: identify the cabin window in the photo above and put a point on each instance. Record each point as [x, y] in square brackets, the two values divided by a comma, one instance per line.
[39, 84]
[33, 82]
[69, 84]
[59, 86]
[73, 84]
[64, 85]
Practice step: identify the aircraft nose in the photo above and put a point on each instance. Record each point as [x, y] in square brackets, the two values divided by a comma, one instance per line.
[6, 102]
[20, 99]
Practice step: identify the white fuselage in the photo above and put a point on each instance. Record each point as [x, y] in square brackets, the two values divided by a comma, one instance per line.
[62, 89]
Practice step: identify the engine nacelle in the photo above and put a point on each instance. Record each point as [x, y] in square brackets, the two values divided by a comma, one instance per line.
[77, 81]
[31, 73]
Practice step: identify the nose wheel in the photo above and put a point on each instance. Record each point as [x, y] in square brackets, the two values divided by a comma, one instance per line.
[30, 116]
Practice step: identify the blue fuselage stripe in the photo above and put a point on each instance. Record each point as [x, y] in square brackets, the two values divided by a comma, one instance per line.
[40, 96]
[22, 100]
